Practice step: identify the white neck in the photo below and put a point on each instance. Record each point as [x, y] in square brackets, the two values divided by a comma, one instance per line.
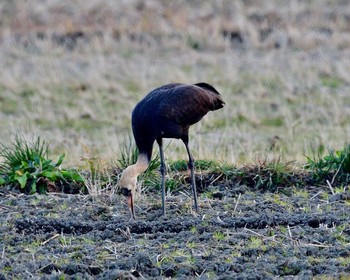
[141, 164]
[130, 174]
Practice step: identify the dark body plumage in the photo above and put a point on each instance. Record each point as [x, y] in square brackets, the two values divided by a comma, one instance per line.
[169, 111]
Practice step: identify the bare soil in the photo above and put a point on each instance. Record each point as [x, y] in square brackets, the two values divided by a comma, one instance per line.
[239, 233]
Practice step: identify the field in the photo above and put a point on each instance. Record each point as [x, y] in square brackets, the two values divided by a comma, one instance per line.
[72, 71]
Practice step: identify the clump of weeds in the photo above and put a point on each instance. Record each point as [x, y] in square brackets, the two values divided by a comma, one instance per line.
[333, 167]
[26, 165]
[269, 175]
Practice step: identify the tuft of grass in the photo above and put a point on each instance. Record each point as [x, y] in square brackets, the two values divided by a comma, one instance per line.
[96, 178]
[128, 153]
[173, 183]
[219, 236]
[21, 151]
[335, 166]
[26, 165]
[199, 164]
[255, 243]
[269, 175]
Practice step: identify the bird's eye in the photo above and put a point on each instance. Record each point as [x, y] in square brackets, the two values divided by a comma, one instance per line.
[125, 191]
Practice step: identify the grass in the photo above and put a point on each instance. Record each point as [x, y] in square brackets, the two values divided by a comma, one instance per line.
[96, 175]
[26, 165]
[335, 166]
[82, 93]
[280, 99]
[128, 153]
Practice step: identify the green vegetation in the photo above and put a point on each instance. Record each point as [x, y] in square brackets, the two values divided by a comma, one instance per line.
[26, 165]
[256, 243]
[331, 82]
[219, 236]
[271, 174]
[335, 166]
[200, 164]
[128, 153]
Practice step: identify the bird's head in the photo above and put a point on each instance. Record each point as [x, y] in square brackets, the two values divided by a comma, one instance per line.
[127, 185]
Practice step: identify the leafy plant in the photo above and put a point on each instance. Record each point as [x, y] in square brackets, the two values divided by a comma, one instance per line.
[26, 165]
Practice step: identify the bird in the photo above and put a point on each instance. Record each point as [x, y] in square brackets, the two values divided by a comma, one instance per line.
[166, 112]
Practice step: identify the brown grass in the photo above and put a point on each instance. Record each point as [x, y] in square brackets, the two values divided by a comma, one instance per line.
[72, 72]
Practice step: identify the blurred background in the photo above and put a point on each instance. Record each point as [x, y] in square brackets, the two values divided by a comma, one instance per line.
[72, 71]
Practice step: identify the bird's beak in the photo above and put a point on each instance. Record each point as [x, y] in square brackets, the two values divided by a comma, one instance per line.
[130, 201]
[129, 196]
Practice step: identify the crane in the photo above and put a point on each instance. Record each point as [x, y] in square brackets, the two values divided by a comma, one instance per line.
[166, 112]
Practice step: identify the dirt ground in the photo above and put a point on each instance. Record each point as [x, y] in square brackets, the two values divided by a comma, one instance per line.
[239, 233]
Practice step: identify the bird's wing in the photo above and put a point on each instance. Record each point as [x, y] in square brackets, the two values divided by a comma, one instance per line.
[187, 104]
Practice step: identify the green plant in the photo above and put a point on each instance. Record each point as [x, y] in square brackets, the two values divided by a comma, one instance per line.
[334, 167]
[219, 236]
[178, 165]
[150, 178]
[269, 175]
[26, 165]
[128, 153]
[255, 242]
[227, 171]
[173, 183]
[199, 164]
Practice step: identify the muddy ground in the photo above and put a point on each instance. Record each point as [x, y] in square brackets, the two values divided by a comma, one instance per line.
[240, 233]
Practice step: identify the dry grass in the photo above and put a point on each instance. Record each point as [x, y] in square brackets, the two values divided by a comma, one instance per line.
[72, 72]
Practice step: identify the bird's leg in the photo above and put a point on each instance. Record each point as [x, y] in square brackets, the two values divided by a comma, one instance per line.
[162, 171]
[191, 167]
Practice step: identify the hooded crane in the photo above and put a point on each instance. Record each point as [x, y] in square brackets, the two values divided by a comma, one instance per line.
[166, 112]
